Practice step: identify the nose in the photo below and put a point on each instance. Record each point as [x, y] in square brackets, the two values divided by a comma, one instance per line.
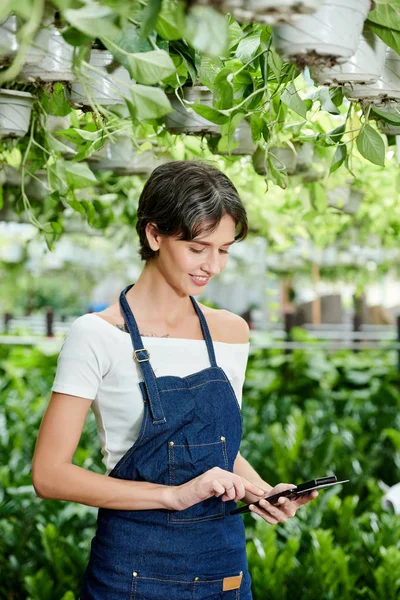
[212, 265]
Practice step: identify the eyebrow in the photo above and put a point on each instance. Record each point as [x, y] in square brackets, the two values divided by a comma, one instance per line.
[208, 243]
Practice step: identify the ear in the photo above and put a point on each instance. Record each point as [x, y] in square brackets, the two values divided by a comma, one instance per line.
[153, 237]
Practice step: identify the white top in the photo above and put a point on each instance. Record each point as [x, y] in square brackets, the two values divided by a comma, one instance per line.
[96, 362]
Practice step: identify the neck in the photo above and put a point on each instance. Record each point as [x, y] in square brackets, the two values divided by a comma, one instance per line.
[154, 299]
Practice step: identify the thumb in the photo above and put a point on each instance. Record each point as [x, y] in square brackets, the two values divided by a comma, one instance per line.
[252, 488]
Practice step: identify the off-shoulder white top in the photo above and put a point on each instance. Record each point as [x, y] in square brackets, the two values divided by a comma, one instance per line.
[95, 362]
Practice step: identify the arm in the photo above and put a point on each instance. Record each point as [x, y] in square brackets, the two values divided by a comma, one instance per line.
[54, 476]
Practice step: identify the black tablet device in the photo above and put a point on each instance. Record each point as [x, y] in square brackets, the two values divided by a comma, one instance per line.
[299, 490]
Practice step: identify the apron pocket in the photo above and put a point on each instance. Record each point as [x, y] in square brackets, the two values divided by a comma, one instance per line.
[157, 587]
[187, 461]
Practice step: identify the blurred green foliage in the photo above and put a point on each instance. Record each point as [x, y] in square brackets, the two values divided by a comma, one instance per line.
[306, 414]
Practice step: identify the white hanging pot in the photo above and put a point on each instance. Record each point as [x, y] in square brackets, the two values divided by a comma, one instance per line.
[49, 58]
[185, 120]
[365, 66]
[38, 187]
[15, 113]
[243, 137]
[100, 88]
[305, 156]
[269, 11]
[8, 39]
[122, 158]
[284, 157]
[338, 197]
[328, 36]
[386, 88]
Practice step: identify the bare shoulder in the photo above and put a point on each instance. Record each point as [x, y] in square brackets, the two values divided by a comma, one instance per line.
[226, 326]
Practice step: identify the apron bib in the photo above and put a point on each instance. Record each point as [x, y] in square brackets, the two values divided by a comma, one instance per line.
[190, 425]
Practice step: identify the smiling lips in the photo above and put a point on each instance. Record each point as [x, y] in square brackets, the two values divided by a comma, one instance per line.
[199, 280]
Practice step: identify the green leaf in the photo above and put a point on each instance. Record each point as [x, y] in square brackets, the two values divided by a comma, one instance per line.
[223, 90]
[94, 20]
[291, 98]
[335, 135]
[127, 40]
[207, 31]
[78, 175]
[278, 176]
[389, 117]
[149, 17]
[76, 38]
[210, 67]
[256, 124]
[148, 102]
[386, 14]
[150, 67]
[248, 47]
[171, 20]
[324, 96]
[209, 113]
[54, 101]
[389, 36]
[371, 146]
[339, 157]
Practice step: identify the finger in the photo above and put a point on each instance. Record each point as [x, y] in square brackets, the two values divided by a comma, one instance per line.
[217, 488]
[273, 511]
[252, 488]
[262, 513]
[306, 498]
[287, 507]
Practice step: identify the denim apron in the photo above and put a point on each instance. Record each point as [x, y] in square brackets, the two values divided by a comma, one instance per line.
[190, 425]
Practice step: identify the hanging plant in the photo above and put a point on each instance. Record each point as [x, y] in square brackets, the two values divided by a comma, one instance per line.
[96, 85]
[386, 88]
[15, 113]
[364, 67]
[240, 143]
[8, 39]
[190, 112]
[269, 11]
[328, 36]
[123, 158]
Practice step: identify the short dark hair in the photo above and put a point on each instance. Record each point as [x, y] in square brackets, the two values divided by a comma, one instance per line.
[185, 198]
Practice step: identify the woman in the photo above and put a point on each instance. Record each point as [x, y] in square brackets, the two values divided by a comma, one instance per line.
[168, 414]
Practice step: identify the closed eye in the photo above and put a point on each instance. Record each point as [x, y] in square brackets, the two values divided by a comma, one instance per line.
[200, 251]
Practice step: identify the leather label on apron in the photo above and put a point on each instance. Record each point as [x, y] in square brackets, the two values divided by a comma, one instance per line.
[231, 583]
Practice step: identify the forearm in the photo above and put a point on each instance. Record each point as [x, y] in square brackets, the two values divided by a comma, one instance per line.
[243, 468]
[75, 484]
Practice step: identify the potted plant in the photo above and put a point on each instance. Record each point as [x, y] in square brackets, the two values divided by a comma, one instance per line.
[123, 158]
[184, 119]
[386, 88]
[15, 113]
[269, 11]
[97, 85]
[365, 66]
[49, 58]
[8, 39]
[328, 36]
[241, 143]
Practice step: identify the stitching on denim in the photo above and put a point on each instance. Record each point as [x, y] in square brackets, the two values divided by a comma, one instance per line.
[220, 515]
[195, 445]
[132, 595]
[171, 465]
[193, 386]
[136, 444]
[223, 442]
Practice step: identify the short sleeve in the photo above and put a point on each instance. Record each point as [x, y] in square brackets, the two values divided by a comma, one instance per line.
[81, 362]
[239, 373]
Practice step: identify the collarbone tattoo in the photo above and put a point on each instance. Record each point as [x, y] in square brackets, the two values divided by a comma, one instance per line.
[124, 328]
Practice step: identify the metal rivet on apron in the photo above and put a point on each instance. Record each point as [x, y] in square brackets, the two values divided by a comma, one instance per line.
[222, 438]
[196, 578]
[171, 443]
[134, 574]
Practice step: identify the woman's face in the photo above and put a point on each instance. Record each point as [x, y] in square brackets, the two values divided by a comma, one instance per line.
[189, 266]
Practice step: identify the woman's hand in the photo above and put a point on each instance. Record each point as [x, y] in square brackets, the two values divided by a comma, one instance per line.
[285, 508]
[214, 482]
